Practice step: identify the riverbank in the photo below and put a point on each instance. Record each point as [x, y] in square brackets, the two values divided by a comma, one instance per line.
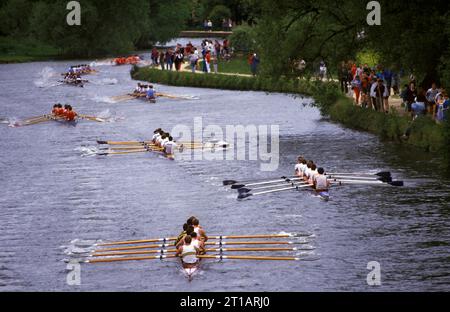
[423, 133]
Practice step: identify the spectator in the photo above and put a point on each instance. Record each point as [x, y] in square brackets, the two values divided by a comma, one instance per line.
[155, 56]
[179, 59]
[215, 64]
[169, 59]
[322, 70]
[442, 106]
[230, 24]
[224, 24]
[356, 87]
[254, 62]
[365, 91]
[378, 94]
[410, 95]
[418, 107]
[431, 99]
[193, 59]
[343, 76]
[205, 25]
[162, 60]
[210, 25]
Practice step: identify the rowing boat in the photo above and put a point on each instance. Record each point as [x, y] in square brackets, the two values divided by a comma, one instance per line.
[167, 250]
[142, 96]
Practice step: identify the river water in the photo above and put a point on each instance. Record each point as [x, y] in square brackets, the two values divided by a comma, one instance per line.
[52, 196]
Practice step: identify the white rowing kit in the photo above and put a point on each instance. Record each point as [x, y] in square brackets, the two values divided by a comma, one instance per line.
[321, 182]
[169, 147]
[189, 253]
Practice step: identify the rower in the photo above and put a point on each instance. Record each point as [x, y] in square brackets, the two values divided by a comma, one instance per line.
[170, 146]
[156, 134]
[55, 110]
[182, 234]
[188, 253]
[164, 139]
[199, 230]
[198, 243]
[189, 231]
[321, 183]
[300, 166]
[70, 114]
[78, 79]
[312, 174]
[307, 170]
[137, 90]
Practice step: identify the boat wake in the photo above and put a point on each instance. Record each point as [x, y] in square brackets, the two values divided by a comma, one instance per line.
[103, 99]
[80, 247]
[87, 151]
[45, 78]
[105, 82]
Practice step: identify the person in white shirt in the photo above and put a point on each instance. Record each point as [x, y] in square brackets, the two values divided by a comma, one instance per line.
[170, 146]
[188, 253]
[321, 183]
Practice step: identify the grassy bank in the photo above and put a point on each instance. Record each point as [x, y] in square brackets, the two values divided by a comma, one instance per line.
[423, 132]
[13, 50]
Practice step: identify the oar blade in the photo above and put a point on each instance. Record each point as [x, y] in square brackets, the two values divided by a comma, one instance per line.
[396, 183]
[102, 142]
[244, 190]
[237, 186]
[383, 174]
[229, 182]
[244, 196]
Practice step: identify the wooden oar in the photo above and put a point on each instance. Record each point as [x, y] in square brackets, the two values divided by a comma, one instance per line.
[221, 257]
[231, 182]
[247, 190]
[165, 239]
[246, 195]
[93, 118]
[380, 174]
[124, 142]
[163, 251]
[34, 118]
[282, 179]
[249, 258]
[236, 243]
[33, 122]
[364, 182]
[160, 257]
[125, 152]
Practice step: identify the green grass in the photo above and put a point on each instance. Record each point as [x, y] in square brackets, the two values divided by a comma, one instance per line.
[24, 50]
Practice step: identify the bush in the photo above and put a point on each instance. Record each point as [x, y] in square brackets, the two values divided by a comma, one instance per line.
[218, 13]
[243, 39]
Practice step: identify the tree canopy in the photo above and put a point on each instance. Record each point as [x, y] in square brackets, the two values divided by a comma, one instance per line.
[107, 26]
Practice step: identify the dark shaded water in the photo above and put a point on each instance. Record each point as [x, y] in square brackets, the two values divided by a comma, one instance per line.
[51, 195]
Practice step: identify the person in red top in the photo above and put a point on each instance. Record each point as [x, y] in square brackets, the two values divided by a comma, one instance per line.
[70, 114]
[55, 109]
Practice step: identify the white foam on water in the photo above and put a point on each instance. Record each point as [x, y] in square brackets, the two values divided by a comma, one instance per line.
[103, 99]
[45, 77]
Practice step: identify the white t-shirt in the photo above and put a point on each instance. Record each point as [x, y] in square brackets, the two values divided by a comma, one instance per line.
[321, 182]
[188, 253]
[169, 147]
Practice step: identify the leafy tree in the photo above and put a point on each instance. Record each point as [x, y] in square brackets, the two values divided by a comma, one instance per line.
[218, 13]
[243, 38]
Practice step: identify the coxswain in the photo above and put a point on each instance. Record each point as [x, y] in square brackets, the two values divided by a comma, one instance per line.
[321, 183]
[151, 94]
[199, 230]
[188, 253]
[70, 114]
